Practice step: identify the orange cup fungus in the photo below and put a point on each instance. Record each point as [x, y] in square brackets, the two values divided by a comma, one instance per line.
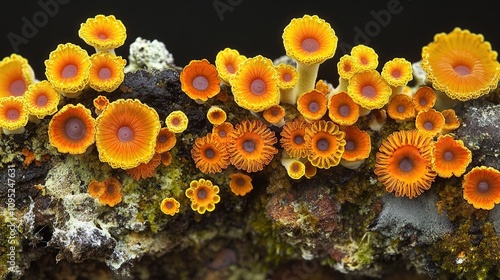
[365, 57]
[68, 69]
[342, 110]
[41, 99]
[325, 143]
[209, 155]
[13, 115]
[15, 75]
[255, 85]
[227, 62]
[169, 206]
[369, 90]
[481, 187]
[401, 108]
[294, 167]
[145, 170]
[107, 191]
[275, 115]
[240, 183]
[104, 33]
[252, 145]
[203, 195]
[177, 121]
[310, 41]
[200, 80]
[166, 158]
[424, 98]
[451, 120]
[461, 64]
[222, 132]
[292, 138]
[216, 115]
[346, 67]
[312, 105]
[165, 140]
[288, 77]
[357, 147]
[126, 133]
[450, 156]
[397, 72]
[100, 103]
[107, 71]
[404, 163]
[72, 129]
[430, 122]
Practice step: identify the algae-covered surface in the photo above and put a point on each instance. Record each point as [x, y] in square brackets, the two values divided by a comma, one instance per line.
[338, 223]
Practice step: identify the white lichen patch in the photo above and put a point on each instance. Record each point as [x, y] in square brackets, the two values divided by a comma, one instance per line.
[148, 54]
[82, 207]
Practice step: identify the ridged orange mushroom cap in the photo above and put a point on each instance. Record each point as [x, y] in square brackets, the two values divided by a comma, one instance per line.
[451, 120]
[255, 85]
[369, 90]
[209, 155]
[15, 75]
[292, 138]
[104, 33]
[216, 115]
[401, 108]
[13, 113]
[312, 105]
[365, 57]
[96, 188]
[166, 158]
[275, 115]
[430, 122]
[294, 167]
[68, 69]
[126, 133]
[112, 194]
[177, 121]
[347, 66]
[165, 140]
[451, 157]
[222, 132]
[461, 64]
[342, 110]
[41, 99]
[227, 62]
[397, 72]
[357, 147]
[203, 195]
[310, 170]
[200, 80]
[481, 187]
[404, 163]
[424, 98]
[240, 183]
[107, 71]
[145, 170]
[169, 206]
[287, 76]
[325, 143]
[100, 103]
[252, 145]
[72, 129]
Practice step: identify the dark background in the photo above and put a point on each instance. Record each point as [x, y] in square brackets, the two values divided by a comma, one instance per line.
[195, 30]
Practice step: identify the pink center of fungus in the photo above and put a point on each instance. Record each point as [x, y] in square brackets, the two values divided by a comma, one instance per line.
[176, 121]
[125, 134]
[396, 74]
[258, 87]
[230, 68]
[287, 77]
[69, 71]
[201, 194]
[249, 146]
[12, 114]
[368, 91]
[102, 36]
[350, 145]
[310, 45]
[162, 139]
[313, 107]
[401, 109]
[298, 139]
[75, 128]
[322, 145]
[222, 134]
[347, 67]
[406, 165]
[423, 101]
[462, 70]
[17, 88]
[200, 83]
[41, 100]
[363, 60]
[428, 125]
[209, 153]
[448, 156]
[344, 110]
[104, 73]
[240, 182]
[169, 205]
[483, 187]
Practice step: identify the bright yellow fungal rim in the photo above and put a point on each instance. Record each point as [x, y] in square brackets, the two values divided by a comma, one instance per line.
[227, 62]
[169, 206]
[397, 72]
[365, 57]
[15, 75]
[177, 121]
[13, 114]
[42, 99]
[369, 90]
[203, 195]
[106, 72]
[104, 33]
[200, 80]
[216, 115]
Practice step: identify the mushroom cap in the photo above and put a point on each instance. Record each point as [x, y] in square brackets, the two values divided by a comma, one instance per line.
[203, 195]
[424, 98]
[72, 129]
[200, 80]
[145, 170]
[13, 113]
[240, 183]
[107, 71]
[41, 99]
[397, 72]
[325, 142]
[177, 121]
[274, 114]
[126, 133]
[430, 122]
[481, 187]
[227, 62]
[347, 66]
[358, 144]
[365, 57]
[450, 156]
[15, 75]
[401, 108]
[209, 155]
[342, 110]
[216, 115]
[461, 64]
[170, 206]
[369, 90]
[103, 32]
[165, 140]
[292, 138]
[309, 40]
[288, 75]
[312, 105]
